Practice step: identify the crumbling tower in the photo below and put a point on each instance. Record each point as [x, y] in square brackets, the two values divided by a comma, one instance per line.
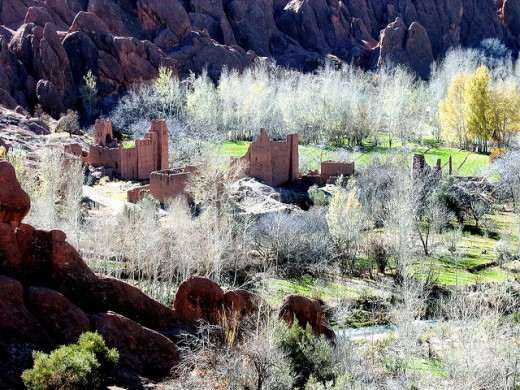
[273, 162]
[159, 127]
[149, 154]
[103, 132]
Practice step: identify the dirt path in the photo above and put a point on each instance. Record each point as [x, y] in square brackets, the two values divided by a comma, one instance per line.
[95, 194]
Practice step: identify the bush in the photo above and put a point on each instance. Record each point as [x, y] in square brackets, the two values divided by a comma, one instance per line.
[301, 243]
[78, 366]
[317, 196]
[69, 123]
[377, 252]
[88, 92]
[495, 153]
[310, 356]
[504, 251]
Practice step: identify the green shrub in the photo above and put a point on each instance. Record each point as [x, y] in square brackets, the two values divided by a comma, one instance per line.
[94, 343]
[310, 356]
[77, 366]
[317, 196]
[504, 251]
[69, 123]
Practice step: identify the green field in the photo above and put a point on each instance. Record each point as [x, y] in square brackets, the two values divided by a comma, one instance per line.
[476, 250]
[273, 290]
[235, 148]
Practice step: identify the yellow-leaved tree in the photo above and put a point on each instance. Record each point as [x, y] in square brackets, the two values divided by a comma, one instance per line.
[452, 113]
[476, 113]
[477, 108]
[504, 113]
[168, 87]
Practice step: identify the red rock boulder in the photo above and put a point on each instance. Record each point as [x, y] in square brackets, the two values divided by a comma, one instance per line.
[16, 322]
[20, 334]
[306, 311]
[63, 320]
[10, 255]
[14, 202]
[199, 298]
[241, 303]
[131, 302]
[142, 350]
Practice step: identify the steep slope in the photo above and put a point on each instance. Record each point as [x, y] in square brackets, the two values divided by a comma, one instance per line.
[48, 45]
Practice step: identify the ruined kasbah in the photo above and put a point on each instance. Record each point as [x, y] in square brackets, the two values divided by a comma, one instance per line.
[275, 163]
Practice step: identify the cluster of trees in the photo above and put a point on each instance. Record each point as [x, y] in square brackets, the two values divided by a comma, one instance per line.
[336, 105]
[477, 113]
[384, 218]
[387, 215]
[340, 105]
[55, 191]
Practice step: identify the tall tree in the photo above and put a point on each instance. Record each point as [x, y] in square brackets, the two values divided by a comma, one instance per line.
[452, 112]
[477, 107]
[504, 113]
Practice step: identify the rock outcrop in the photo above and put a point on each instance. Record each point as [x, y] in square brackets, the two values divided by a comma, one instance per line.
[47, 290]
[124, 42]
[306, 311]
[141, 350]
[252, 197]
[411, 46]
[63, 320]
[510, 13]
[14, 202]
[16, 322]
[20, 334]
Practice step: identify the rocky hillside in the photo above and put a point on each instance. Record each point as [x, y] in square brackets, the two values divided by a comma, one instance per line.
[46, 46]
[49, 296]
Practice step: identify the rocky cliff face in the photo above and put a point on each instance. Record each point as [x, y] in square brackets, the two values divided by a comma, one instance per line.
[46, 46]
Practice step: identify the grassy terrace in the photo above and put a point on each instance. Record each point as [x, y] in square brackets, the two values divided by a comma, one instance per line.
[474, 262]
[475, 251]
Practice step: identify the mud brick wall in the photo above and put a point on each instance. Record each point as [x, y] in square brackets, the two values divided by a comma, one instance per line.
[107, 157]
[274, 162]
[103, 132]
[168, 184]
[136, 194]
[333, 169]
[137, 163]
